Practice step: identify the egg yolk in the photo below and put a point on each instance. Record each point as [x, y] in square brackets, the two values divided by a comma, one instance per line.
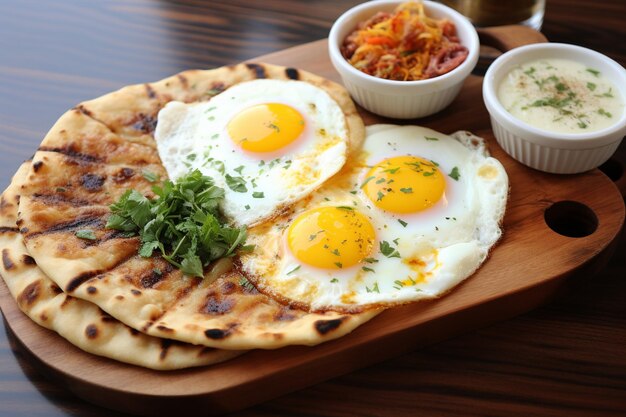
[266, 127]
[331, 237]
[404, 184]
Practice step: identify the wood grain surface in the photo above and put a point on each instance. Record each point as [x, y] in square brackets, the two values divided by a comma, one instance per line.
[564, 359]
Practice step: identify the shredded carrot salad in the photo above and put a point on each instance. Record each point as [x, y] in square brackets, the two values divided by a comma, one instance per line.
[405, 45]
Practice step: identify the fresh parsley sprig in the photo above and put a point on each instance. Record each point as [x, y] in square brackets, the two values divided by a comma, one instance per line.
[183, 222]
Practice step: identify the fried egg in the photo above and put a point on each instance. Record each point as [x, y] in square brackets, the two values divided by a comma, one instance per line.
[267, 143]
[415, 214]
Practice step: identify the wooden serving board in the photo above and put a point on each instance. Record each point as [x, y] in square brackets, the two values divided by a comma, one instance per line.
[524, 270]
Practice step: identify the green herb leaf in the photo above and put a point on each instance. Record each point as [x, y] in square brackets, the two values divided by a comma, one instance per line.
[366, 269]
[150, 176]
[454, 174]
[86, 234]
[594, 72]
[182, 222]
[408, 190]
[402, 222]
[368, 179]
[430, 138]
[258, 194]
[237, 184]
[388, 250]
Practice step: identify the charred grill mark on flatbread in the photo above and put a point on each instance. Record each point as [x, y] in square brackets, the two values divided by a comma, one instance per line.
[92, 182]
[91, 290]
[55, 289]
[37, 166]
[292, 73]
[135, 292]
[5, 229]
[7, 262]
[123, 175]
[5, 206]
[154, 277]
[29, 294]
[284, 314]
[150, 91]
[71, 152]
[259, 70]
[144, 123]
[216, 304]
[217, 334]
[323, 327]
[87, 275]
[60, 198]
[164, 329]
[68, 299]
[82, 109]
[28, 260]
[183, 80]
[85, 221]
[91, 331]
[78, 280]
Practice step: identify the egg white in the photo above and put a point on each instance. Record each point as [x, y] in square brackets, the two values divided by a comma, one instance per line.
[437, 248]
[195, 136]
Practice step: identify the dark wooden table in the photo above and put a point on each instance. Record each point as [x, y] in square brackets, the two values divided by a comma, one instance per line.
[566, 358]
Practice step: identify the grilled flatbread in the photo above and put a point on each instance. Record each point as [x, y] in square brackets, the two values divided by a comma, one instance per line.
[132, 111]
[88, 159]
[81, 322]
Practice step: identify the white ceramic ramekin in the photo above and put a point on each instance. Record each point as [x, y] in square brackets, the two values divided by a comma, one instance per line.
[402, 99]
[559, 153]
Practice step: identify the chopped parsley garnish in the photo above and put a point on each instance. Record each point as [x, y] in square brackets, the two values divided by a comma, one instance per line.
[454, 174]
[408, 190]
[594, 72]
[245, 284]
[373, 289]
[604, 113]
[402, 222]
[591, 86]
[345, 208]
[366, 269]
[239, 169]
[388, 250]
[339, 264]
[380, 196]
[236, 184]
[247, 206]
[86, 234]
[368, 179]
[370, 260]
[150, 176]
[183, 223]
[334, 280]
[391, 170]
[258, 194]
[430, 138]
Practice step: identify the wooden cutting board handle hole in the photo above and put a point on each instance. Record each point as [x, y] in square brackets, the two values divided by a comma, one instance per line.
[571, 219]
